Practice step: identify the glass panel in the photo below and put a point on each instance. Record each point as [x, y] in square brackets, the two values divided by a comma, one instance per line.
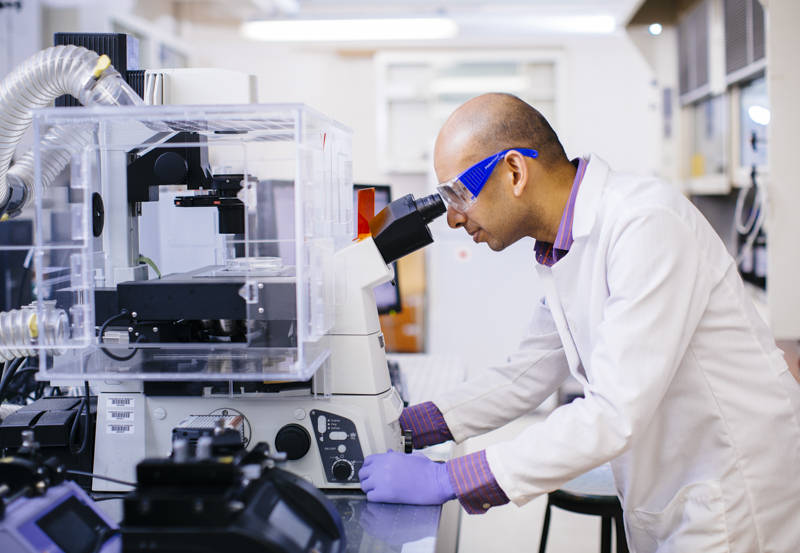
[244, 243]
[708, 137]
[754, 116]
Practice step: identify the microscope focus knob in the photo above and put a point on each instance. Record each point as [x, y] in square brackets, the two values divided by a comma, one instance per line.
[293, 440]
[343, 469]
[170, 168]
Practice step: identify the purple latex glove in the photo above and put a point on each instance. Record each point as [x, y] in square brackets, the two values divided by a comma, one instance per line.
[412, 479]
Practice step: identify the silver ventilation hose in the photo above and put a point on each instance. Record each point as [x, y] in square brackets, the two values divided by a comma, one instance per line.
[35, 83]
[19, 331]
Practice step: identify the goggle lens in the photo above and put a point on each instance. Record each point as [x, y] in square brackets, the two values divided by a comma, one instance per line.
[456, 195]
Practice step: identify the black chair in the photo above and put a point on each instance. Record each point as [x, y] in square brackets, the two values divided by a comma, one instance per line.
[590, 494]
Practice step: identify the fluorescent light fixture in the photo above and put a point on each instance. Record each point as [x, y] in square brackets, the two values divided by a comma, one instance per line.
[305, 30]
[602, 24]
[759, 115]
[655, 29]
[560, 24]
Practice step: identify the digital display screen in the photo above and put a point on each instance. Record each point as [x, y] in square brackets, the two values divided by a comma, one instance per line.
[73, 526]
[290, 524]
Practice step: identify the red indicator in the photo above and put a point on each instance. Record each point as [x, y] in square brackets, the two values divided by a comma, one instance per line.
[366, 209]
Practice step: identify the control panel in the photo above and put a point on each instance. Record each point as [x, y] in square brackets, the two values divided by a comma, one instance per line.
[339, 446]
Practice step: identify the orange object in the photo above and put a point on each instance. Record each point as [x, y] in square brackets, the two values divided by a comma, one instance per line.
[366, 209]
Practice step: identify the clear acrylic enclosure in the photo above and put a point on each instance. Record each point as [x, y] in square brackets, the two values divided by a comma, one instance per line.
[239, 208]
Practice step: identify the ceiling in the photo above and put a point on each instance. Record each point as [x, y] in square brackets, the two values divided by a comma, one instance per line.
[244, 10]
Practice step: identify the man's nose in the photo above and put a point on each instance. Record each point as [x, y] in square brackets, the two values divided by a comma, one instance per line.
[455, 219]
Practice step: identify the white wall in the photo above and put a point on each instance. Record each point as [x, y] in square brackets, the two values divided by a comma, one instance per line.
[20, 32]
[783, 82]
[20, 38]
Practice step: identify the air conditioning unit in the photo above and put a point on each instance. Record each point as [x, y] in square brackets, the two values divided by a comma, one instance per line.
[745, 44]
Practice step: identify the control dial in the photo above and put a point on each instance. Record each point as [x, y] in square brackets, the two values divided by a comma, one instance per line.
[293, 440]
[343, 470]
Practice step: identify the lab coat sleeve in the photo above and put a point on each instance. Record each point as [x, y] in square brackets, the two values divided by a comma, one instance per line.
[503, 393]
[658, 288]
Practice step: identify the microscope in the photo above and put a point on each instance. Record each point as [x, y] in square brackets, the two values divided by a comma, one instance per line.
[281, 349]
[325, 439]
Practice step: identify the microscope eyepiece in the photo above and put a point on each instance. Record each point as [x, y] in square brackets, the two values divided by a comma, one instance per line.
[430, 207]
[402, 226]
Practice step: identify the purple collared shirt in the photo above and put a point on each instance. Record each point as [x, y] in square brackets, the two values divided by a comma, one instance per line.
[547, 253]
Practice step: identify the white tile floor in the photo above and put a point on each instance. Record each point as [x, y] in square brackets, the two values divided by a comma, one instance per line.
[512, 528]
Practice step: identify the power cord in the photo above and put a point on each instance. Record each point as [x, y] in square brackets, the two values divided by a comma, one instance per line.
[122, 314]
[86, 408]
[8, 374]
[99, 477]
[103, 537]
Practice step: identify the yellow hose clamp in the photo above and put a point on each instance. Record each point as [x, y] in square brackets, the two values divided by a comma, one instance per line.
[33, 326]
[103, 63]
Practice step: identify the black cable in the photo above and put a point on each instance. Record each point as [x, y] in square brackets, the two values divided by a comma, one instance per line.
[9, 374]
[88, 430]
[74, 430]
[81, 473]
[21, 295]
[86, 409]
[21, 391]
[103, 537]
[122, 314]
[26, 370]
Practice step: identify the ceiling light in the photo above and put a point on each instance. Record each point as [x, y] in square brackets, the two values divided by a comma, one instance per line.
[568, 24]
[655, 29]
[759, 115]
[302, 30]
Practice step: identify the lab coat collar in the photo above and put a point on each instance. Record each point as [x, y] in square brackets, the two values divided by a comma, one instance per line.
[589, 194]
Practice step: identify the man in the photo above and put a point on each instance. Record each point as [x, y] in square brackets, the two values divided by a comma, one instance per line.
[686, 394]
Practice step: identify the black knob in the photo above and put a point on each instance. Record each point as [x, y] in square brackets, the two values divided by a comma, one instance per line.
[408, 442]
[170, 168]
[293, 440]
[342, 470]
[98, 215]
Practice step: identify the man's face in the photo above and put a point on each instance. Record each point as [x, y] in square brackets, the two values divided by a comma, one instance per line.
[484, 220]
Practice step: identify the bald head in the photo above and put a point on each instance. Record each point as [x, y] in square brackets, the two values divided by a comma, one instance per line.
[494, 122]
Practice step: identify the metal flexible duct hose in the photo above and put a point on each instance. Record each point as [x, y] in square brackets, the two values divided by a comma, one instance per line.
[19, 331]
[35, 83]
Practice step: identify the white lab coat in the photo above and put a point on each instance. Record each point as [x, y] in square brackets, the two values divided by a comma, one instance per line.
[686, 393]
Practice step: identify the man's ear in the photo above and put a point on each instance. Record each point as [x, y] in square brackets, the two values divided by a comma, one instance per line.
[518, 169]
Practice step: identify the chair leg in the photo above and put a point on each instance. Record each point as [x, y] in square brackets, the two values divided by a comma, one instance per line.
[622, 541]
[545, 528]
[605, 535]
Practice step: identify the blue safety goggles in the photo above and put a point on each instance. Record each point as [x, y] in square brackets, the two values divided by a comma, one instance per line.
[461, 192]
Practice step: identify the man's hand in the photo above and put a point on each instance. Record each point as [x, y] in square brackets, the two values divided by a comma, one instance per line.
[413, 479]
